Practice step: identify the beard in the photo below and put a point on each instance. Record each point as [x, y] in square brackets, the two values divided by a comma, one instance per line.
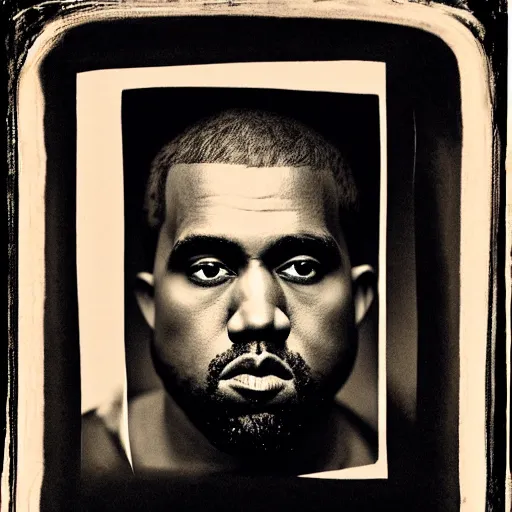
[250, 429]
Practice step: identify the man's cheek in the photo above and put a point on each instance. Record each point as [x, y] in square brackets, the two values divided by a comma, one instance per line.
[175, 291]
[324, 338]
[188, 339]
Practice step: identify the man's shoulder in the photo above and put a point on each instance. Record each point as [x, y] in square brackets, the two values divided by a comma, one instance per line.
[361, 436]
[102, 451]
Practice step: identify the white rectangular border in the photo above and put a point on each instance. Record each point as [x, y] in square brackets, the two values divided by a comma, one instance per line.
[100, 182]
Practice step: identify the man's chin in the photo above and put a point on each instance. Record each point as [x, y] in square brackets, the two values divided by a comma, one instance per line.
[259, 434]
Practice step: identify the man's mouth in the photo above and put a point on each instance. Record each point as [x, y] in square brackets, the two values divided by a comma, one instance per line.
[256, 377]
[266, 383]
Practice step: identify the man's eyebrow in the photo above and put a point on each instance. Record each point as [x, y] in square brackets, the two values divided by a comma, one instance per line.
[321, 246]
[197, 244]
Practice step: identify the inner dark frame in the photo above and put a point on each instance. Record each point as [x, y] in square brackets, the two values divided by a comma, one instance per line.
[423, 104]
[153, 117]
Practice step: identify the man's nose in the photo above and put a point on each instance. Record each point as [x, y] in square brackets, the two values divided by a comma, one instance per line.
[259, 312]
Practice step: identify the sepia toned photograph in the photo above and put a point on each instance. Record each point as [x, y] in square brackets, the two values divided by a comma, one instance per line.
[256, 257]
[249, 285]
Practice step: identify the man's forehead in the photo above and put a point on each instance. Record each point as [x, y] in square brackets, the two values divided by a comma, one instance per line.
[249, 201]
[206, 180]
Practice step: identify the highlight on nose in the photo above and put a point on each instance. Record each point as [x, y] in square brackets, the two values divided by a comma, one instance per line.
[249, 318]
[257, 314]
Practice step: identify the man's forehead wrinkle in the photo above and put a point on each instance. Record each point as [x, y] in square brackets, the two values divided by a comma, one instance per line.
[217, 178]
[248, 204]
[222, 196]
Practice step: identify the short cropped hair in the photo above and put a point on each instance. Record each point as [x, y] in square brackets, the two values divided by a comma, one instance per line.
[252, 138]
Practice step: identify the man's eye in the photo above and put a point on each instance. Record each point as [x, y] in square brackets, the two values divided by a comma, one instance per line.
[209, 272]
[302, 270]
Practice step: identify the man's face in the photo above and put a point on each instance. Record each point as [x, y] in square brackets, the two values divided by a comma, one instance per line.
[253, 312]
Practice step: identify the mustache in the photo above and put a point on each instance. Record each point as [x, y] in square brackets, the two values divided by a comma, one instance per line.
[300, 370]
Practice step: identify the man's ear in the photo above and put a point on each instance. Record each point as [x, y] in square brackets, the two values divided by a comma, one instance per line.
[363, 286]
[144, 293]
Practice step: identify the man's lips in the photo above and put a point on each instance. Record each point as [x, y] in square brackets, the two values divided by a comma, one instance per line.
[247, 381]
[260, 365]
[256, 376]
